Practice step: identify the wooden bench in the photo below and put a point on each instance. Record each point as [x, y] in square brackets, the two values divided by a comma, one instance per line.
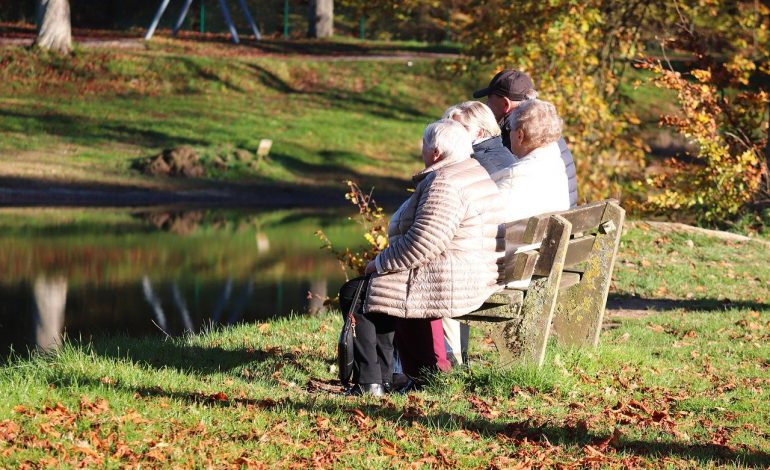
[557, 269]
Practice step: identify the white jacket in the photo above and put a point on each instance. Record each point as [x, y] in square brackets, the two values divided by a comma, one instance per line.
[535, 184]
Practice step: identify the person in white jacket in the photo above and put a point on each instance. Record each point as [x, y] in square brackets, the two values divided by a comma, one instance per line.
[537, 182]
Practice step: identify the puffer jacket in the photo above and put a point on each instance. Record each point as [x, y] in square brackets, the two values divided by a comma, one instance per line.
[535, 184]
[493, 156]
[445, 244]
[564, 153]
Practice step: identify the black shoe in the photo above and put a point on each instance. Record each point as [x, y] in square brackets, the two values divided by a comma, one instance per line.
[410, 386]
[399, 381]
[376, 390]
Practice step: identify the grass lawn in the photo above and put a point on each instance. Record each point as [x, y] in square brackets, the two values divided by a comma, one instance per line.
[686, 385]
[90, 116]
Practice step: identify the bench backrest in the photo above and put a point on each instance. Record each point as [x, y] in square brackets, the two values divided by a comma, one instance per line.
[526, 240]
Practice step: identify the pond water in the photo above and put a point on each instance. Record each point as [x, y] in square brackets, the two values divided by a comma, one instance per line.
[86, 272]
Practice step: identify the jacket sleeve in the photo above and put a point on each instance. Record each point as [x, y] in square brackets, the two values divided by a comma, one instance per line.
[437, 218]
[569, 165]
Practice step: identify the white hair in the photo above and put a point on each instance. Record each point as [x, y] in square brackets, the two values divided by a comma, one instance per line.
[450, 138]
[474, 114]
[539, 121]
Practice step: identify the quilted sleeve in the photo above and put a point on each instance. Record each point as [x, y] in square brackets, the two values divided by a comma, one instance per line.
[440, 211]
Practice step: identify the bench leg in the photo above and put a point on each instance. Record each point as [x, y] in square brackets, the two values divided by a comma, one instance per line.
[525, 338]
[580, 309]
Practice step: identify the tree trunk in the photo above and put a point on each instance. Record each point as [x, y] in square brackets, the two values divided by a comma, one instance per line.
[54, 28]
[320, 18]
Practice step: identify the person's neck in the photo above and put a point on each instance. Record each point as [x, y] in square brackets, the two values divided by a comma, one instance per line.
[483, 139]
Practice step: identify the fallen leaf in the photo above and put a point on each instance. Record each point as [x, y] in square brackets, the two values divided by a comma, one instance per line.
[656, 328]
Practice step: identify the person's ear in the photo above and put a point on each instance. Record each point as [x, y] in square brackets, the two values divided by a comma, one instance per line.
[509, 105]
[436, 155]
[520, 136]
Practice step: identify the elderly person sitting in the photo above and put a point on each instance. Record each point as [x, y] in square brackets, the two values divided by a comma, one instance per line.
[445, 243]
[489, 150]
[537, 182]
[488, 146]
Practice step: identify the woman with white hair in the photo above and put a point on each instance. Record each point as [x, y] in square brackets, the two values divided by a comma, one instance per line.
[488, 146]
[441, 261]
[537, 182]
[489, 150]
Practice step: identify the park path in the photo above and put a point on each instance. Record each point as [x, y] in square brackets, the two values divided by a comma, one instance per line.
[246, 49]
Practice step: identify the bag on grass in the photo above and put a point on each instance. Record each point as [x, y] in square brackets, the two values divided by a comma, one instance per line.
[345, 359]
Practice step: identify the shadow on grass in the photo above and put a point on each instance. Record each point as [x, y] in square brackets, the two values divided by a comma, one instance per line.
[335, 168]
[515, 431]
[362, 102]
[207, 360]
[160, 354]
[632, 302]
[87, 130]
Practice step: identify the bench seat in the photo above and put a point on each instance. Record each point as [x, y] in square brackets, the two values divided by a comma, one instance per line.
[563, 264]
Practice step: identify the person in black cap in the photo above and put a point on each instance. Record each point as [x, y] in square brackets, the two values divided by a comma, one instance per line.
[505, 92]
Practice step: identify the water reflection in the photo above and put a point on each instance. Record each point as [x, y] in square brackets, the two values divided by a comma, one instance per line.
[50, 299]
[87, 272]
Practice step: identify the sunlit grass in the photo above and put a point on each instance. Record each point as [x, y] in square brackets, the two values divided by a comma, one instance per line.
[684, 386]
[329, 120]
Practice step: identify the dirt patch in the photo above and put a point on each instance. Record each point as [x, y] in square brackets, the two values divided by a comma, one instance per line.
[177, 162]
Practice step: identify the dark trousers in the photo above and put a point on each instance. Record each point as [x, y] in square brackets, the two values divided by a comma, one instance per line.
[373, 343]
[421, 347]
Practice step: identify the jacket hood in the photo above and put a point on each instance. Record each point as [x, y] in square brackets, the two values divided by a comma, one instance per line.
[420, 175]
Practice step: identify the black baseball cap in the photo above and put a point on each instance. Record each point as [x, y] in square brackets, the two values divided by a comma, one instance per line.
[510, 83]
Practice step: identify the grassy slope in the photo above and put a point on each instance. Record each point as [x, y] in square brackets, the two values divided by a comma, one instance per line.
[87, 117]
[685, 387]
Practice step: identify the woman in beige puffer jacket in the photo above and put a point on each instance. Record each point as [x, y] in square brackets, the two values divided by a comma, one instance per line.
[445, 243]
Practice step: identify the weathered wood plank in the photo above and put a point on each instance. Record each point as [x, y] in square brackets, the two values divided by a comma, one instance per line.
[579, 249]
[580, 308]
[514, 232]
[521, 266]
[504, 305]
[569, 279]
[526, 231]
[548, 249]
[526, 338]
[585, 218]
[536, 228]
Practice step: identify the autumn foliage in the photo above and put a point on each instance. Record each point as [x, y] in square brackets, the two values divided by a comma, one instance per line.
[374, 226]
[581, 56]
[561, 44]
[723, 112]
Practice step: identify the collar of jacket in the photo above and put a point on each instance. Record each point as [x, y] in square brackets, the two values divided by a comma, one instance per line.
[419, 176]
[487, 144]
[504, 124]
[543, 150]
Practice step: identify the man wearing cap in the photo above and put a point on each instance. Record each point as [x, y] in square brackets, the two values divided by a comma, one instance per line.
[505, 91]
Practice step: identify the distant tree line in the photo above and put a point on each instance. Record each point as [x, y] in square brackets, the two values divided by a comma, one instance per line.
[426, 23]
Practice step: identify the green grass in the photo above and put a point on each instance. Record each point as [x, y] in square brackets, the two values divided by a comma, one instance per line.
[685, 386]
[90, 116]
